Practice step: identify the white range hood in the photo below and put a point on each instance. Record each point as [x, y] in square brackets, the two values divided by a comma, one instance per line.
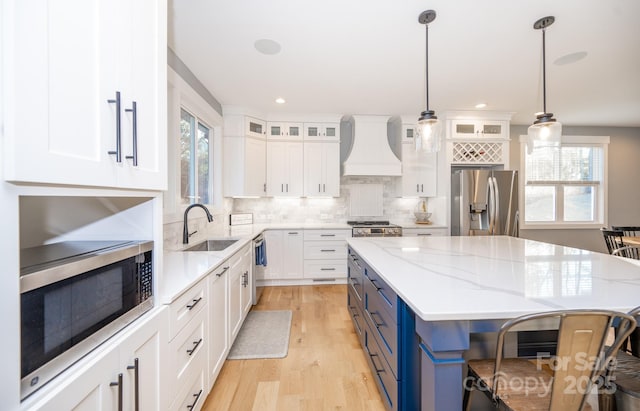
[370, 153]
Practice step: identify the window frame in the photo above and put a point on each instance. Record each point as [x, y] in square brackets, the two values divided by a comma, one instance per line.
[601, 194]
[194, 160]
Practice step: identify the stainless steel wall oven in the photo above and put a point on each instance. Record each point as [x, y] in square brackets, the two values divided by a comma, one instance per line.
[74, 296]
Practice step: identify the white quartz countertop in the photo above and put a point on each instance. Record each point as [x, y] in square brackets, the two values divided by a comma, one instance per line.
[475, 278]
[182, 270]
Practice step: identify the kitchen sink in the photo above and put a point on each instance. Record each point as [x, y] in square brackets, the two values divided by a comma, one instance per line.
[211, 245]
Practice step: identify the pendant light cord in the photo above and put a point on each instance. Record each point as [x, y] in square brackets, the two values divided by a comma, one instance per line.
[426, 82]
[544, 72]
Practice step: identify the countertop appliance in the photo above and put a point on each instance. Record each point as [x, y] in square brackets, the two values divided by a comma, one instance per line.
[484, 202]
[259, 266]
[369, 228]
[74, 295]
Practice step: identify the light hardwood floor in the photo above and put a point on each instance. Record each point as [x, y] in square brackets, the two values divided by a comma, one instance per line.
[325, 368]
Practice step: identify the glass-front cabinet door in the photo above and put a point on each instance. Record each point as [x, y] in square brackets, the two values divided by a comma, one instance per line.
[472, 129]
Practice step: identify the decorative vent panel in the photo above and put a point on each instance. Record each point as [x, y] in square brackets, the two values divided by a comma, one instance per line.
[477, 152]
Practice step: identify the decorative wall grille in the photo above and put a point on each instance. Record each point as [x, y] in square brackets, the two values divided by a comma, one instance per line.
[477, 152]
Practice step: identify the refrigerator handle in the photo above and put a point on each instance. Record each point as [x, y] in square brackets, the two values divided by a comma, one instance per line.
[496, 207]
[516, 224]
[490, 205]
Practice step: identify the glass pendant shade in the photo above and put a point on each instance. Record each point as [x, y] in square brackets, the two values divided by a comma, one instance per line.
[428, 134]
[544, 132]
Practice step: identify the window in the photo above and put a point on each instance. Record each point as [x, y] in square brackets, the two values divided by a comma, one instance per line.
[566, 187]
[195, 160]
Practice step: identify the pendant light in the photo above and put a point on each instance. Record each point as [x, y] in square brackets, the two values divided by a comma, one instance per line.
[429, 127]
[545, 130]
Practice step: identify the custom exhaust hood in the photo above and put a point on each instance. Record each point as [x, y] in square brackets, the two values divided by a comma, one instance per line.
[370, 153]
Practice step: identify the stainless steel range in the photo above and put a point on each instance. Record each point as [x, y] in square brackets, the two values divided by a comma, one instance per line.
[374, 229]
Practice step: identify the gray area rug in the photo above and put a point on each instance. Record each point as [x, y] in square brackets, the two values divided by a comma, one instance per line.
[264, 334]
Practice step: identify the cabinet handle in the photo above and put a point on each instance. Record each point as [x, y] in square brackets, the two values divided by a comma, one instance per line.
[224, 270]
[282, 188]
[195, 302]
[371, 314]
[245, 278]
[422, 188]
[327, 251]
[423, 234]
[118, 151]
[136, 382]
[193, 404]
[293, 233]
[327, 235]
[287, 187]
[134, 120]
[319, 188]
[375, 366]
[374, 284]
[264, 187]
[418, 188]
[195, 346]
[119, 384]
[327, 269]
[324, 188]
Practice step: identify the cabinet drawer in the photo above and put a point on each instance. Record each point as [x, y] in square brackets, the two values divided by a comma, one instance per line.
[419, 232]
[188, 352]
[325, 269]
[388, 298]
[355, 273]
[325, 249]
[193, 398]
[354, 304]
[187, 306]
[383, 326]
[316, 235]
[387, 384]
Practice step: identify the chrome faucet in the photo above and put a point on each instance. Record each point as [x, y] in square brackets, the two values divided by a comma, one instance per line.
[185, 229]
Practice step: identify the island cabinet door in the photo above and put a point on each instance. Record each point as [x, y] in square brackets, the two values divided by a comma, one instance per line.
[385, 380]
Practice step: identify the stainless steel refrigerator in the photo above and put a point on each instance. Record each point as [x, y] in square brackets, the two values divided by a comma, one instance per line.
[484, 202]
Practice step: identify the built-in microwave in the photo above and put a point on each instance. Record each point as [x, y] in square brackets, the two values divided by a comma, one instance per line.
[74, 295]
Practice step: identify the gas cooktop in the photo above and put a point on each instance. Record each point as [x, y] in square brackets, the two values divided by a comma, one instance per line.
[371, 228]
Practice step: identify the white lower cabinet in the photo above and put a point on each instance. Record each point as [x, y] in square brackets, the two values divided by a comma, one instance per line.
[218, 320]
[424, 232]
[284, 254]
[325, 254]
[240, 298]
[109, 376]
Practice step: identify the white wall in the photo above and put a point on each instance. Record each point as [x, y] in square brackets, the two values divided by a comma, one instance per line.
[624, 188]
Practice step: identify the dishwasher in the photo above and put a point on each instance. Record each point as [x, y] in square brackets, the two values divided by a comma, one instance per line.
[259, 266]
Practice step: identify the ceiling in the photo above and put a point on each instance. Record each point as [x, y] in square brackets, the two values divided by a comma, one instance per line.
[368, 56]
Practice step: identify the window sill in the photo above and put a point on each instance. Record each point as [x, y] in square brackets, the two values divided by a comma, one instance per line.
[562, 226]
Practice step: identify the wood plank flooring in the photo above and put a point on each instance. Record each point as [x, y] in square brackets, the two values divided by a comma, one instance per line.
[325, 368]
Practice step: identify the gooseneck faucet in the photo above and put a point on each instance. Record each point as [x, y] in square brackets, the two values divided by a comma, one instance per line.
[185, 229]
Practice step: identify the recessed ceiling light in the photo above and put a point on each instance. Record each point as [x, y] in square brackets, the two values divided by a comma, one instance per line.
[481, 105]
[267, 46]
[280, 100]
[570, 58]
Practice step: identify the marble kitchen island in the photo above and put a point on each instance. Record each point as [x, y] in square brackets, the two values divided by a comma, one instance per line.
[457, 286]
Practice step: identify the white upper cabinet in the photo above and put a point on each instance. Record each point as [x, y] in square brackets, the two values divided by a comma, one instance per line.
[284, 131]
[321, 169]
[284, 169]
[245, 156]
[476, 129]
[71, 85]
[322, 131]
[419, 173]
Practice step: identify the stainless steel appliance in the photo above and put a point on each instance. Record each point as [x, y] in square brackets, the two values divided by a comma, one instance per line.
[368, 228]
[484, 202]
[259, 265]
[75, 295]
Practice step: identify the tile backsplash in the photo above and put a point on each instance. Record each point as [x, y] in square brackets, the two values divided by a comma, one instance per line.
[318, 210]
[304, 210]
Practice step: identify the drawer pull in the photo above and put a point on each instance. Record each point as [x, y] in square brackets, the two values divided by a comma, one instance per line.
[195, 346]
[119, 385]
[374, 284]
[327, 235]
[328, 251]
[327, 269]
[224, 270]
[424, 234]
[193, 404]
[371, 314]
[195, 302]
[293, 233]
[375, 366]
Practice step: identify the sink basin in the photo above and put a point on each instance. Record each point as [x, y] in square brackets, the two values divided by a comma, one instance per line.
[211, 245]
